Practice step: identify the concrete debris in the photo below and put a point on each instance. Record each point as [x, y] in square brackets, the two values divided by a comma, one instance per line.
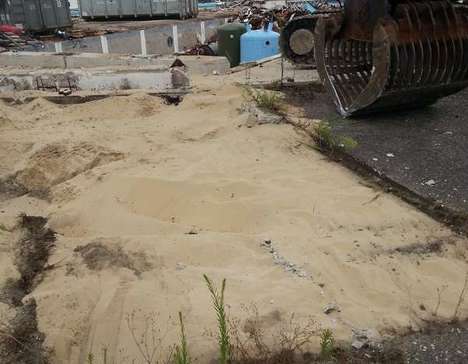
[65, 91]
[363, 338]
[258, 116]
[202, 50]
[331, 307]
[10, 39]
[280, 260]
[257, 13]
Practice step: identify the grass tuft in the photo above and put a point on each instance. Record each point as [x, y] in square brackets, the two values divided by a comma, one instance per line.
[90, 358]
[327, 345]
[223, 334]
[326, 139]
[181, 355]
[266, 100]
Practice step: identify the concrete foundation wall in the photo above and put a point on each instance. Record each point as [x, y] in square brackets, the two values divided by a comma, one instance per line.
[156, 79]
[36, 60]
[160, 40]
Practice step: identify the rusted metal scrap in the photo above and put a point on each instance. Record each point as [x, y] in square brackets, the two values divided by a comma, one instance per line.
[201, 50]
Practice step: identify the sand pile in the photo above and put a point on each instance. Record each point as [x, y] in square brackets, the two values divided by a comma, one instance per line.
[199, 192]
[117, 107]
[56, 163]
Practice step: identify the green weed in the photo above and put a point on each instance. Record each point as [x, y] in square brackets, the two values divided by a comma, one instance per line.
[328, 140]
[181, 355]
[327, 345]
[90, 358]
[267, 100]
[223, 335]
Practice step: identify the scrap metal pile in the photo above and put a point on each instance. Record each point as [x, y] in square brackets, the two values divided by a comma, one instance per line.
[13, 38]
[256, 14]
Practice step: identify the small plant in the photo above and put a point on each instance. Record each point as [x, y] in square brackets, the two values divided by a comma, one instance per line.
[324, 134]
[90, 358]
[461, 298]
[435, 311]
[327, 345]
[223, 335]
[150, 339]
[181, 355]
[266, 100]
[326, 139]
[252, 344]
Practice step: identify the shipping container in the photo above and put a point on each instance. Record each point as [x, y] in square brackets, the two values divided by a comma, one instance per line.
[96, 9]
[36, 15]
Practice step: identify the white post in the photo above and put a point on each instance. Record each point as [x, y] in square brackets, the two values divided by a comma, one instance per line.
[143, 43]
[203, 33]
[175, 37]
[104, 44]
[58, 47]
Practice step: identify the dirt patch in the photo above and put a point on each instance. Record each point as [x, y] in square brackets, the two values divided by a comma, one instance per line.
[54, 164]
[10, 187]
[98, 256]
[432, 247]
[21, 342]
[32, 251]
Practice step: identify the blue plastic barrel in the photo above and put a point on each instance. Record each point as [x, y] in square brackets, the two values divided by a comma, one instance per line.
[259, 44]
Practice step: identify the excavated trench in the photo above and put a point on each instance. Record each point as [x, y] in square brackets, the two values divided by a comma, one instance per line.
[21, 342]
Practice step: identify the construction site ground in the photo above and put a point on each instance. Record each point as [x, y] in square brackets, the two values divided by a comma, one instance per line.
[147, 196]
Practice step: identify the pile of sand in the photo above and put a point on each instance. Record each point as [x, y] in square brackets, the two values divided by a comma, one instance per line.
[58, 162]
[198, 192]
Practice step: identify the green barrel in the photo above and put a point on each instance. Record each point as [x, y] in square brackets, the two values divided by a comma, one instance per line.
[229, 41]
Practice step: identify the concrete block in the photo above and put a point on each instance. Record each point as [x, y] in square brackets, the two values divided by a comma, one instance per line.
[150, 78]
[205, 65]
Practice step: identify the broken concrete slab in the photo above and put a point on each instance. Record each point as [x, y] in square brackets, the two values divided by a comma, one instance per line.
[150, 78]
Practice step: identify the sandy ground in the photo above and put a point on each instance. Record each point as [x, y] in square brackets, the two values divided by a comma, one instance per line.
[146, 197]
